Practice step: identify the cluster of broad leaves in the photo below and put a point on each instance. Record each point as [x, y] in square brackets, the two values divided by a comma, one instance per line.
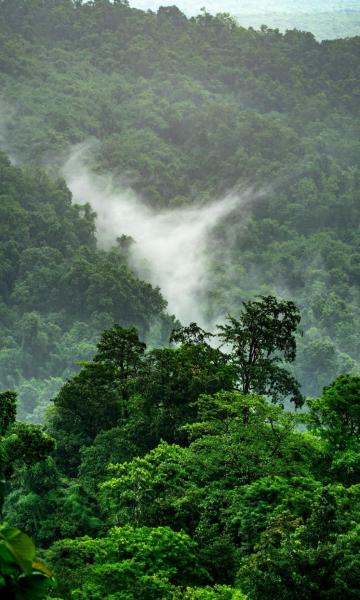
[186, 110]
[22, 577]
[164, 479]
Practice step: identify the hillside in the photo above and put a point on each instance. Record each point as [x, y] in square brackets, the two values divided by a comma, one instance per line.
[186, 110]
[58, 291]
[158, 169]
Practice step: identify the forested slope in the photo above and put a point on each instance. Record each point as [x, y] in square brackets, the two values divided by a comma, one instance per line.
[168, 469]
[57, 289]
[186, 110]
[164, 474]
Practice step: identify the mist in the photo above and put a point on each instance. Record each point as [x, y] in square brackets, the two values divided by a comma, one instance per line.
[171, 248]
[325, 19]
[253, 7]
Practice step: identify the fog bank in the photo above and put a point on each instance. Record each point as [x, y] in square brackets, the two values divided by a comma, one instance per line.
[253, 7]
[172, 247]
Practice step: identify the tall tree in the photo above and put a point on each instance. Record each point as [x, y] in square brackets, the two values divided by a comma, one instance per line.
[261, 341]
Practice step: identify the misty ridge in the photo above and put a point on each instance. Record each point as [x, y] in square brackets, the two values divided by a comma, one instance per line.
[179, 300]
[170, 248]
[253, 7]
[326, 19]
[184, 136]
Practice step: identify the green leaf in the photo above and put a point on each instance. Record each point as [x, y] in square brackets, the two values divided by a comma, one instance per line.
[20, 547]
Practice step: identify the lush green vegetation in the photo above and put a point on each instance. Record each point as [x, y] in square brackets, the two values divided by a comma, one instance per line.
[57, 289]
[169, 476]
[186, 110]
[166, 466]
[21, 576]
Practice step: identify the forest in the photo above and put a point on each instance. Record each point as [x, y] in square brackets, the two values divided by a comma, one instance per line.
[142, 457]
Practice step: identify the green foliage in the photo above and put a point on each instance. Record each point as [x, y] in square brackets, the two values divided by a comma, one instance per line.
[220, 592]
[142, 397]
[49, 507]
[335, 417]
[57, 290]
[26, 444]
[255, 506]
[152, 490]
[171, 382]
[21, 578]
[7, 411]
[238, 440]
[97, 398]
[173, 475]
[115, 445]
[216, 105]
[123, 348]
[337, 412]
[319, 558]
[249, 503]
[128, 563]
[265, 331]
[20, 444]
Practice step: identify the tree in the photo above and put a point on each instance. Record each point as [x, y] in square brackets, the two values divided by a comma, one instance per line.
[193, 334]
[7, 411]
[26, 444]
[130, 563]
[121, 347]
[315, 557]
[336, 414]
[253, 507]
[48, 506]
[90, 402]
[239, 438]
[335, 417]
[171, 382]
[20, 444]
[96, 399]
[152, 490]
[194, 488]
[113, 446]
[7, 419]
[261, 339]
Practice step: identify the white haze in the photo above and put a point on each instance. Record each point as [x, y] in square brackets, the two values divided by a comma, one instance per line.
[253, 7]
[326, 19]
[171, 247]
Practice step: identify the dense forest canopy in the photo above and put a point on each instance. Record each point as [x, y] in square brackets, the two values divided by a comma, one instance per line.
[154, 459]
[162, 478]
[184, 110]
[57, 289]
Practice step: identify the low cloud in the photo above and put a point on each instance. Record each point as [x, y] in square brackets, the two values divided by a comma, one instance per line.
[172, 249]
